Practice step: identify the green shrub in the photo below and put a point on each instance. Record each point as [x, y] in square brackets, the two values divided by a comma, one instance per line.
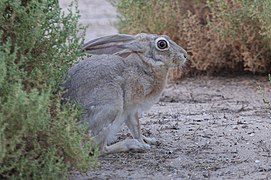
[39, 137]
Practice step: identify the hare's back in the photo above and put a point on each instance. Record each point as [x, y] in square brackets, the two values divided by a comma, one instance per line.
[97, 66]
[93, 75]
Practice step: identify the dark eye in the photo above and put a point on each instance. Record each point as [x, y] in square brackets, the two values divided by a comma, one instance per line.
[162, 44]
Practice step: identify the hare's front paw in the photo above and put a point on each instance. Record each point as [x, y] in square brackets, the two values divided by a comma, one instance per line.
[151, 141]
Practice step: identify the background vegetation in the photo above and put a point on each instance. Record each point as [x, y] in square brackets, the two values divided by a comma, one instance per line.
[39, 137]
[220, 35]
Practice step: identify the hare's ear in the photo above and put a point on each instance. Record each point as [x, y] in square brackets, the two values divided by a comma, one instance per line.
[112, 44]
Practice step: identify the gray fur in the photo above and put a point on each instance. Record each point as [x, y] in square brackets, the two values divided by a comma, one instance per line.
[124, 77]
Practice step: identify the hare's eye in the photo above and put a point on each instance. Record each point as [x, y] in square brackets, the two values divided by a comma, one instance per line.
[161, 44]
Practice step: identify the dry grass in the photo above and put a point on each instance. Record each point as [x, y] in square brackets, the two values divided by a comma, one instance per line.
[221, 36]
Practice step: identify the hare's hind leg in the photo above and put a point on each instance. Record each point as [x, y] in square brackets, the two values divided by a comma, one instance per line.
[134, 125]
[109, 130]
[126, 145]
[104, 124]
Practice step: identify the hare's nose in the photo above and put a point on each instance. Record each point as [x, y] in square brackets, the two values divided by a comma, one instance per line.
[186, 56]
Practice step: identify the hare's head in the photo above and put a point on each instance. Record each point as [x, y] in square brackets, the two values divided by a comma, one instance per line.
[155, 47]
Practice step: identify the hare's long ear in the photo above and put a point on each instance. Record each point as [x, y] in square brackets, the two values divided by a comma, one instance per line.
[111, 44]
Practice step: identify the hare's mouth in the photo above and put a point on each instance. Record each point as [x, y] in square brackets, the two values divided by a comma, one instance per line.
[180, 61]
[177, 62]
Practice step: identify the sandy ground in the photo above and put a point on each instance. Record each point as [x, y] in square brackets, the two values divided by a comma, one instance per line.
[209, 128]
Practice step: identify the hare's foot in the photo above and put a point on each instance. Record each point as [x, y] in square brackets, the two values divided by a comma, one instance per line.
[151, 141]
[125, 146]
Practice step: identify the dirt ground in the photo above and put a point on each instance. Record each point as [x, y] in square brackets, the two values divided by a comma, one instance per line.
[209, 128]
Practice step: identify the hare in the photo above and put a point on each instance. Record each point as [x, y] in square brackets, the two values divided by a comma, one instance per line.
[124, 76]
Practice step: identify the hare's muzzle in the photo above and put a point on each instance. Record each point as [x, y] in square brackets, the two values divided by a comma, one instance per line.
[180, 59]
